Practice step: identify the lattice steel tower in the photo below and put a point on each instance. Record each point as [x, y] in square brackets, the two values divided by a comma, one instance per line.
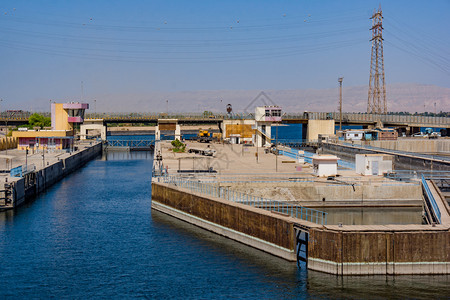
[376, 102]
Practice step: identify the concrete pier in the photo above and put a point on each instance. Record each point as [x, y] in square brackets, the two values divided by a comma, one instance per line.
[237, 192]
[42, 171]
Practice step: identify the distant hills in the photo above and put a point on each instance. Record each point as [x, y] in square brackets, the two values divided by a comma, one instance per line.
[408, 97]
[400, 97]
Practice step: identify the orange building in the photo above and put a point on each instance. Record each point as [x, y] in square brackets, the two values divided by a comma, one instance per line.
[64, 115]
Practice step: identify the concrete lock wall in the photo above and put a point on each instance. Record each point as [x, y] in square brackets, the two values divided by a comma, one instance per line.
[371, 253]
[255, 227]
[418, 145]
[324, 193]
[316, 127]
[54, 172]
[19, 191]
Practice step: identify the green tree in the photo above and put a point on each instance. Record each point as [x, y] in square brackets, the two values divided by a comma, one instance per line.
[207, 113]
[178, 146]
[37, 120]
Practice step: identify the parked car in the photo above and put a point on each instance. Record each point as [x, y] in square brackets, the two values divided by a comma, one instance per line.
[419, 134]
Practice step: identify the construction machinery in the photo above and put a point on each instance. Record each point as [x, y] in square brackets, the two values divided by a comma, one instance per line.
[204, 136]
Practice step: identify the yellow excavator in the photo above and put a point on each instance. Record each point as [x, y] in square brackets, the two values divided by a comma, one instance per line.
[204, 136]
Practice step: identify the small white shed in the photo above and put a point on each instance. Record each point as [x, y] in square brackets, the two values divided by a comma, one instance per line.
[354, 135]
[301, 156]
[235, 138]
[325, 165]
[373, 164]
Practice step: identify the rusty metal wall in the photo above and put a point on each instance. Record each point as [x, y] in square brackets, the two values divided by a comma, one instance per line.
[325, 245]
[167, 126]
[271, 228]
[422, 246]
[383, 247]
[245, 130]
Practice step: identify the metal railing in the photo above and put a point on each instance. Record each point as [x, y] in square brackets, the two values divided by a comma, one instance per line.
[433, 205]
[414, 175]
[22, 170]
[130, 143]
[297, 142]
[210, 188]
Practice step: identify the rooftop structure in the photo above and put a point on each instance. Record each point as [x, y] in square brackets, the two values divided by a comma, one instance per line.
[64, 116]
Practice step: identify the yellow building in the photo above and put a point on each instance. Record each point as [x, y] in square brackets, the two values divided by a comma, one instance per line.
[64, 115]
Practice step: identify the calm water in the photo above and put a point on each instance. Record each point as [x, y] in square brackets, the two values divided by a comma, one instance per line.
[93, 235]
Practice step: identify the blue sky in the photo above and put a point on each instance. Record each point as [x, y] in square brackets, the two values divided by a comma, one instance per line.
[47, 48]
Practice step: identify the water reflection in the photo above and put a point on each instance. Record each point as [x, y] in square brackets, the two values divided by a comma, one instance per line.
[293, 282]
[126, 155]
[374, 215]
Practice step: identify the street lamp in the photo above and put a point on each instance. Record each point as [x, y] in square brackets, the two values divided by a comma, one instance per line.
[340, 79]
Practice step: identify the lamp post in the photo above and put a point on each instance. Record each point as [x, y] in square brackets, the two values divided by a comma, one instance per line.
[340, 79]
[276, 149]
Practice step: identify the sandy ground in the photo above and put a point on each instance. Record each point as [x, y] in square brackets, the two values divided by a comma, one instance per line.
[237, 160]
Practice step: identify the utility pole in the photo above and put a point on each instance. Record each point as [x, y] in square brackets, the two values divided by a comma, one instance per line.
[340, 79]
[82, 92]
[376, 101]
[276, 149]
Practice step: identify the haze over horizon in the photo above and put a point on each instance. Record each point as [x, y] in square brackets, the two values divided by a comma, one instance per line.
[136, 56]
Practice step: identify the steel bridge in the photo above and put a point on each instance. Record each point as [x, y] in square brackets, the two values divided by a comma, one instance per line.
[131, 144]
[363, 119]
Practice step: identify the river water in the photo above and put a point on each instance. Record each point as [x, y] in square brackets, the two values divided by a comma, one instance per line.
[94, 235]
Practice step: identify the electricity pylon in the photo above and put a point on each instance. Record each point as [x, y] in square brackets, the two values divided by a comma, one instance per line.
[376, 102]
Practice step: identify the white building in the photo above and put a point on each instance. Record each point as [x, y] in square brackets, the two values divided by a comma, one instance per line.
[325, 165]
[264, 117]
[354, 135]
[373, 164]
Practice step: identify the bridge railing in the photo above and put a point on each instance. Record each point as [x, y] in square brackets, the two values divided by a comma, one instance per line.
[386, 118]
[432, 202]
[130, 143]
[364, 117]
[210, 188]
